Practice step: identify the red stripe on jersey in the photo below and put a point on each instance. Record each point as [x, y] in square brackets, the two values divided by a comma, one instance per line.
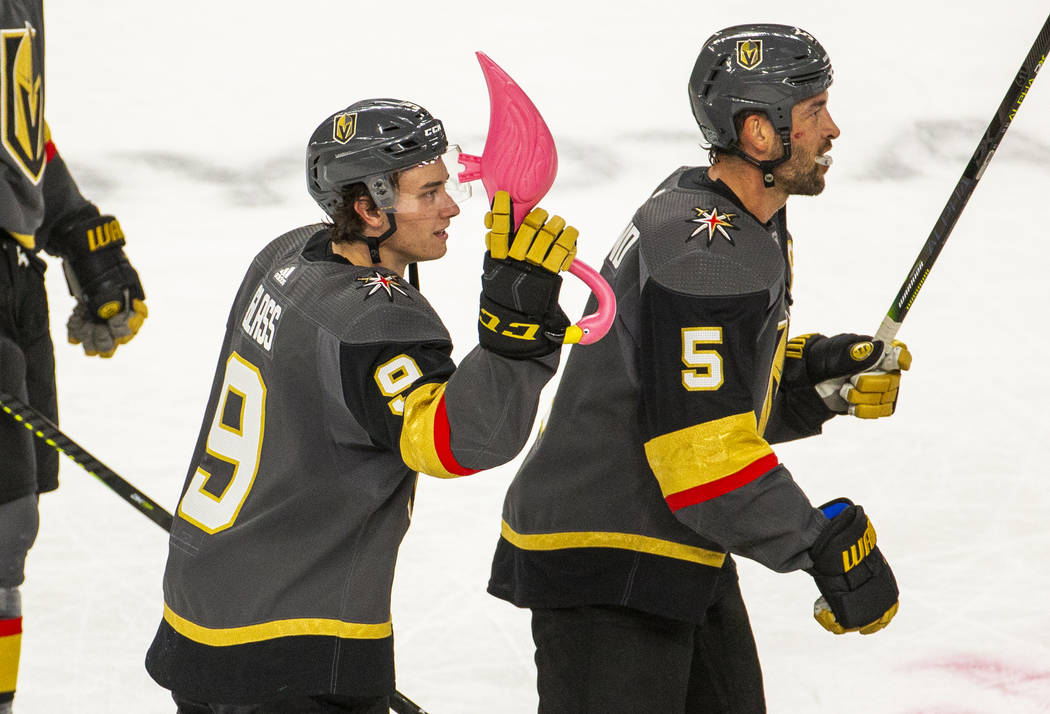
[443, 442]
[50, 150]
[11, 627]
[714, 489]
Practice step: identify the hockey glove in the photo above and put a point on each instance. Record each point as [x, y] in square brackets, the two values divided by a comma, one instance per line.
[857, 588]
[110, 305]
[848, 372]
[873, 394]
[520, 317]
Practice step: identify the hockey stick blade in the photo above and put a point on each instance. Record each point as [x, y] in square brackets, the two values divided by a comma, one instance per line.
[1001, 121]
[47, 431]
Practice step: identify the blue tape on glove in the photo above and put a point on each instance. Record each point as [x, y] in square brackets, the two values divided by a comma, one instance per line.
[832, 510]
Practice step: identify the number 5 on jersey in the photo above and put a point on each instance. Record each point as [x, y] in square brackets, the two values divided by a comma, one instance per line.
[705, 366]
[235, 438]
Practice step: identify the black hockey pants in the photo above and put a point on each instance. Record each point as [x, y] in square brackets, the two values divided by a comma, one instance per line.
[300, 705]
[27, 371]
[617, 660]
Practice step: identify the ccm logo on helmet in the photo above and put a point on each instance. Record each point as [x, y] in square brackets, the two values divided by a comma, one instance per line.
[749, 53]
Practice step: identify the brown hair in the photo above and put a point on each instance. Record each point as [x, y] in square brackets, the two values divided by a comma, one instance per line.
[347, 225]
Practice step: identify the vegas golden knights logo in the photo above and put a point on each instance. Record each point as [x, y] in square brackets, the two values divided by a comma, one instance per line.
[344, 126]
[22, 100]
[749, 53]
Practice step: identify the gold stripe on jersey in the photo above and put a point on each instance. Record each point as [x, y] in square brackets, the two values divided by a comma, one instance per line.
[27, 241]
[226, 636]
[418, 449]
[606, 539]
[776, 371]
[704, 453]
[10, 647]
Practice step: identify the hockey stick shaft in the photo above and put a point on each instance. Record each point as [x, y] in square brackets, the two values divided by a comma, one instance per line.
[1004, 115]
[403, 705]
[48, 432]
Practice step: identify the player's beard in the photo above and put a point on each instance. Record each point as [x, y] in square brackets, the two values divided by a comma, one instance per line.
[801, 175]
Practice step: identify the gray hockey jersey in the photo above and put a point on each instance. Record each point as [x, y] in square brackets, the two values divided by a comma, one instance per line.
[334, 388]
[655, 462]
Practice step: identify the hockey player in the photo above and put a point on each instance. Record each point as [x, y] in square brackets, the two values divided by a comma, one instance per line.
[334, 387]
[42, 209]
[656, 464]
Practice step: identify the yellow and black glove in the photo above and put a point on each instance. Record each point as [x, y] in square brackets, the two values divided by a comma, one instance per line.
[858, 592]
[111, 304]
[520, 316]
[843, 374]
[873, 393]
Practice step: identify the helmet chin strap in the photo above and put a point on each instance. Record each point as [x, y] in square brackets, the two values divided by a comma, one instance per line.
[373, 249]
[373, 241]
[766, 167]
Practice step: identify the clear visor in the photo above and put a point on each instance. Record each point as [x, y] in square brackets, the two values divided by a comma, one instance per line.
[430, 186]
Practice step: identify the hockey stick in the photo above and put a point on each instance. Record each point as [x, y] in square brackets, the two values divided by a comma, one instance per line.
[403, 705]
[1004, 115]
[48, 432]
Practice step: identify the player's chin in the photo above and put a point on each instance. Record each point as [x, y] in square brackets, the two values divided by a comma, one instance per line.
[436, 249]
[814, 183]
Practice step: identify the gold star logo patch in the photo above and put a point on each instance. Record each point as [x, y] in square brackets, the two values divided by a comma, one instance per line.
[377, 281]
[712, 221]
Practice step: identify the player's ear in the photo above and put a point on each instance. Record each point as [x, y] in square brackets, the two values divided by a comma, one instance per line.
[758, 138]
[366, 209]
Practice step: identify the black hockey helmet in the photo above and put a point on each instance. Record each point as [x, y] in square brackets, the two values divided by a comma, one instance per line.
[760, 67]
[367, 142]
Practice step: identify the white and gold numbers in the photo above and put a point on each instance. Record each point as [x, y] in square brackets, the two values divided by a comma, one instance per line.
[394, 377]
[705, 365]
[235, 438]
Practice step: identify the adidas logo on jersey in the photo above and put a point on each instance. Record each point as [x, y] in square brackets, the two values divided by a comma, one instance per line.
[281, 276]
[260, 319]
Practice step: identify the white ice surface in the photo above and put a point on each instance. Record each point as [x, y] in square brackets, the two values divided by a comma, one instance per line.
[188, 121]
